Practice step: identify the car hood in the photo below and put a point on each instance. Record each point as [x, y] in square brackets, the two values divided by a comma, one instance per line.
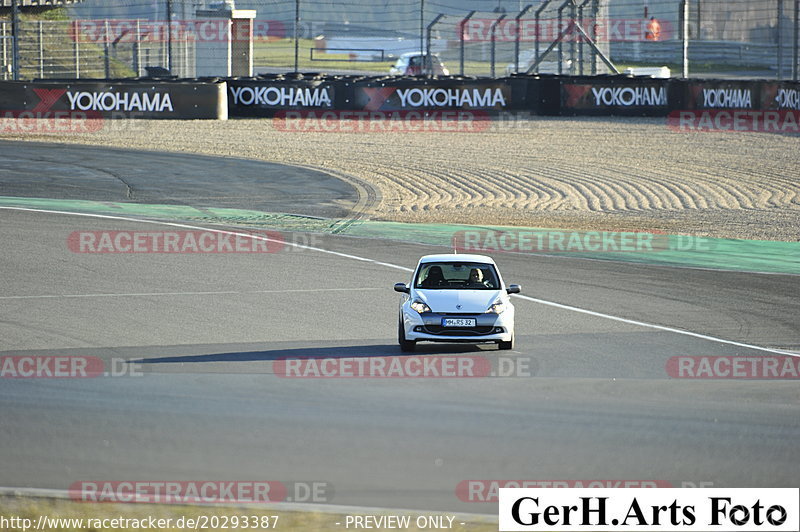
[471, 301]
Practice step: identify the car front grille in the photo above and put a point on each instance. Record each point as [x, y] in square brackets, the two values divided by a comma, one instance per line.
[459, 331]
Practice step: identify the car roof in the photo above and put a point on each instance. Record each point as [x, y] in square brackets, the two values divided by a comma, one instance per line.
[457, 257]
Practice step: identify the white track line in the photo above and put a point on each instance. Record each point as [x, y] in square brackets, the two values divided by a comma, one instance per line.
[47, 493]
[226, 292]
[654, 265]
[403, 268]
[654, 326]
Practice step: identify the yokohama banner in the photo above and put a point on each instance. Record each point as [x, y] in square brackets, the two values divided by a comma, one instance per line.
[734, 94]
[622, 96]
[109, 99]
[265, 97]
[433, 95]
[781, 96]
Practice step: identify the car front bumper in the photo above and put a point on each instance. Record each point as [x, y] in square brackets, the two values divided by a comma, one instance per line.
[428, 327]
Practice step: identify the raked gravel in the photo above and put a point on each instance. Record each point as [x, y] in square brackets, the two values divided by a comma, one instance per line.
[581, 173]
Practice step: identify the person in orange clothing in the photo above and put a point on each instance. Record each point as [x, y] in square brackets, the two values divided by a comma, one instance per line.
[653, 32]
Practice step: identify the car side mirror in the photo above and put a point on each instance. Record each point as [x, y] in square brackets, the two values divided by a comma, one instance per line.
[401, 287]
[513, 289]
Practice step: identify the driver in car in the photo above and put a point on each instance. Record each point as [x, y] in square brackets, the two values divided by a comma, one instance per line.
[476, 278]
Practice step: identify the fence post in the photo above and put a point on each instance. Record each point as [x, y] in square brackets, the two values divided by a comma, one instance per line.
[536, 19]
[421, 26]
[76, 50]
[169, 36]
[518, 36]
[428, 61]
[137, 40]
[15, 37]
[582, 44]
[3, 39]
[795, 65]
[685, 26]
[573, 43]
[595, 14]
[494, 39]
[780, 39]
[296, 35]
[106, 49]
[463, 26]
[561, 42]
[40, 31]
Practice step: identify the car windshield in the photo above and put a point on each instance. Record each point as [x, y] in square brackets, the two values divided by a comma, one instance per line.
[457, 276]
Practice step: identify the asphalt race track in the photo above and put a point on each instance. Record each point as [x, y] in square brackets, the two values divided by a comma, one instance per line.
[590, 397]
[107, 174]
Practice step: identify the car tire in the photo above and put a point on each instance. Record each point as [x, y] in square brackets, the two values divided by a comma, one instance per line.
[406, 346]
[506, 345]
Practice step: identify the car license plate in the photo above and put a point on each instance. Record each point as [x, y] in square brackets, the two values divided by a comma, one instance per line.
[458, 322]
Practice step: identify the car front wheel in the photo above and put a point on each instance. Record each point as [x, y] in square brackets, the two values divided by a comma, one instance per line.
[506, 345]
[406, 346]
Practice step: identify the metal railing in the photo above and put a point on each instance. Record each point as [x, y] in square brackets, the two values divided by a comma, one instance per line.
[117, 38]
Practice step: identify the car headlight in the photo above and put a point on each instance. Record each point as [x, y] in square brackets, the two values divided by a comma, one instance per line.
[420, 307]
[497, 307]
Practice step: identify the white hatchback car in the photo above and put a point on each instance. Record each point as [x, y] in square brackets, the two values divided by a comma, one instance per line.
[456, 298]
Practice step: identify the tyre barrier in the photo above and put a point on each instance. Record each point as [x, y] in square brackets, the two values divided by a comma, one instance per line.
[267, 95]
[756, 95]
[620, 95]
[179, 99]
